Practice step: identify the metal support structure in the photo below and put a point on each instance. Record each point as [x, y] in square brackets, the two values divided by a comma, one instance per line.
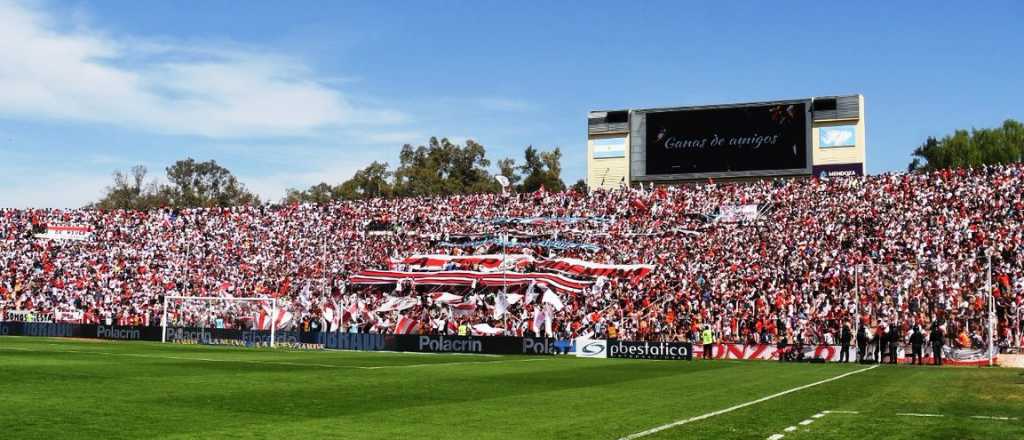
[991, 310]
[163, 335]
[273, 320]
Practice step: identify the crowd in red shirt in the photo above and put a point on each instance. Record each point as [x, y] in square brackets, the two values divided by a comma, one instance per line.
[894, 249]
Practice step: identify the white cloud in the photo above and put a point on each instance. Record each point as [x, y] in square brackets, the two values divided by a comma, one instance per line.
[84, 74]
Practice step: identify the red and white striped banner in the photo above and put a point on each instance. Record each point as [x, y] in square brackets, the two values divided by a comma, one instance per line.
[481, 262]
[556, 282]
[577, 267]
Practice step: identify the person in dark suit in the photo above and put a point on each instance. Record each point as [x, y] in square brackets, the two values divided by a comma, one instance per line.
[936, 338]
[894, 339]
[782, 346]
[916, 344]
[845, 336]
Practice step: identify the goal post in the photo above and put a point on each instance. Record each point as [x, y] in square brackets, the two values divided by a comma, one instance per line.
[170, 299]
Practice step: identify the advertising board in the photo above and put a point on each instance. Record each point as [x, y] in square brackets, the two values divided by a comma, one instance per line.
[758, 139]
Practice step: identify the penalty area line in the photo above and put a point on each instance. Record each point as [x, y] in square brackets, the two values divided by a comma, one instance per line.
[676, 423]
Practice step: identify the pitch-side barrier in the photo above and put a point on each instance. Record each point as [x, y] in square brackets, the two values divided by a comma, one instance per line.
[500, 345]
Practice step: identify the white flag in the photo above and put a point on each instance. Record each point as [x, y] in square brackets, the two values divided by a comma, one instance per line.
[547, 321]
[538, 319]
[500, 305]
[553, 300]
[531, 293]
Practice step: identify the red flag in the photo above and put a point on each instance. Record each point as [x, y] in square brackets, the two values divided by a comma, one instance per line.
[405, 326]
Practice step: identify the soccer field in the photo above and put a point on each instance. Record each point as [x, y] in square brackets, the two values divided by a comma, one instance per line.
[61, 388]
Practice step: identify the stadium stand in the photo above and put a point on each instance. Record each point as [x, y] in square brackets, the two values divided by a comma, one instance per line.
[804, 257]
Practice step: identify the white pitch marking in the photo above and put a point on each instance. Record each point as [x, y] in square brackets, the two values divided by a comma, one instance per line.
[918, 415]
[818, 415]
[841, 412]
[806, 422]
[776, 437]
[993, 418]
[790, 429]
[742, 405]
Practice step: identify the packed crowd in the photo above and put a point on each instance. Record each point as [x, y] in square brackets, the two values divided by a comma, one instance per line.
[893, 250]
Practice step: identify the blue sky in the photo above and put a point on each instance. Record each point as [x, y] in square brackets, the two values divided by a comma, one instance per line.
[288, 94]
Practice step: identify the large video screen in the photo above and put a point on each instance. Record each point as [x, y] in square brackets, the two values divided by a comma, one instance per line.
[727, 139]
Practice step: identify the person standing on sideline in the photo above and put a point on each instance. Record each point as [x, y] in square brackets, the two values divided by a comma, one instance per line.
[708, 339]
[894, 338]
[936, 338]
[845, 336]
[916, 343]
[881, 341]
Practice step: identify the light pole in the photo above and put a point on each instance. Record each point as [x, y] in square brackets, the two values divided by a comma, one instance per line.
[991, 309]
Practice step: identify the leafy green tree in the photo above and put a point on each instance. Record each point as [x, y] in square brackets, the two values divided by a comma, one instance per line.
[1000, 145]
[131, 191]
[443, 168]
[542, 169]
[580, 186]
[370, 182]
[320, 193]
[507, 167]
[204, 184]
[190, 184]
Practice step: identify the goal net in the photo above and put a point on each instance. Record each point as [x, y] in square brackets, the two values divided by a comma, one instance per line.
[253, 322]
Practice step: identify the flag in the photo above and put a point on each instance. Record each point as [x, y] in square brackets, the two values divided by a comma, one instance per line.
[405, 326]
[281, 321]
[547, 320]
[284, 319]
[487, 330]
[331, 316]
[539, 317]
[553, 300]
[261, 318]
[397, 304]
[463, 309]
[531, 292]
[446, 298]
[351, 312]
[500, 305]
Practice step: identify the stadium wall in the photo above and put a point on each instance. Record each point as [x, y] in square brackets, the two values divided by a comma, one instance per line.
[506, 345]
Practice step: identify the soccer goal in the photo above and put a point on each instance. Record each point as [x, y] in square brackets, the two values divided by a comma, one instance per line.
[213, 320]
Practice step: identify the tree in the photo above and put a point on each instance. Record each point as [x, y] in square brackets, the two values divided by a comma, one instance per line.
[204, 184]
[372, 181]
[507, 167]
[320, 193]
[999, 145]
[542, 169]
[131, 191]
[443, 168]
[580, 186]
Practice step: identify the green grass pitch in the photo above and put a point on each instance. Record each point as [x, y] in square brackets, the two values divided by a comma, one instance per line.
[60, 388]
